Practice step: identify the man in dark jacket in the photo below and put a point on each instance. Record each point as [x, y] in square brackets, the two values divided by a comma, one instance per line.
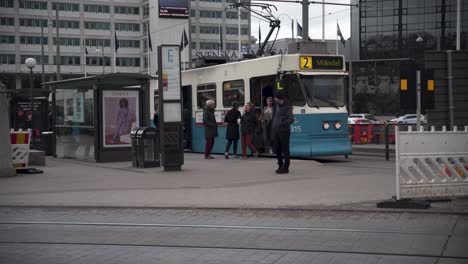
[281, 131]
[232, 130]
[211, 127]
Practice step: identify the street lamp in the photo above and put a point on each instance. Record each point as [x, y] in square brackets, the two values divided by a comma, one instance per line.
[419, 40]
[31, 63]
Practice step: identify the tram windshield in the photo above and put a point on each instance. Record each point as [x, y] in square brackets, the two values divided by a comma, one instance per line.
[324, 90]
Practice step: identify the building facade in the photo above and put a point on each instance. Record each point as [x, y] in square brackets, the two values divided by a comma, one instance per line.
[88, 31]
[392, 37]
[214, 28]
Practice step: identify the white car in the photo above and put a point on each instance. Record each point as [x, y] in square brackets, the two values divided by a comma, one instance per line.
[409, 119]
[362, 118]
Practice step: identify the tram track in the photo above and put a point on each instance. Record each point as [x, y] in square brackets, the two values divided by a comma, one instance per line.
[165, 235]
[244, 227]
[234, 248]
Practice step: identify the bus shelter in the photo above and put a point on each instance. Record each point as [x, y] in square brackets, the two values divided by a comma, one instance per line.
[93, 116]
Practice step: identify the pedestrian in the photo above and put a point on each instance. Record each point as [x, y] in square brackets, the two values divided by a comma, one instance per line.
[281, 131]
[267, 116]
[232, 130]
[211, 127]
[248, 125]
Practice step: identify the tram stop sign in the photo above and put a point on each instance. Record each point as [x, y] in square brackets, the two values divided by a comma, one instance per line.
[170, 114]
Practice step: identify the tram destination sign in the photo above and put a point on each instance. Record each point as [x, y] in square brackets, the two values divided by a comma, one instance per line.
[321, 62]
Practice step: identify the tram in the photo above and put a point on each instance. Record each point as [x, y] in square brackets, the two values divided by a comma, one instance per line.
[313, 84]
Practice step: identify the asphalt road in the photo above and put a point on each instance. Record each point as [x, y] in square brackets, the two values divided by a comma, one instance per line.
[111, 235]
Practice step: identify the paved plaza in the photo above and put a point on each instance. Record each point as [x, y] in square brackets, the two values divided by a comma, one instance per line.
[223, 183]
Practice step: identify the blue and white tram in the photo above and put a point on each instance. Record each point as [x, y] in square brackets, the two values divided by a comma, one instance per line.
[313, 84]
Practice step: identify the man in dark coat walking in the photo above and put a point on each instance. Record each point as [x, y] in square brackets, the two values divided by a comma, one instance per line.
[281, 131]
[232, 130]
[211, 127]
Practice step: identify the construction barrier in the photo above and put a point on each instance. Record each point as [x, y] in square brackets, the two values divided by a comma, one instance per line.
[431, 163]
[20, 144]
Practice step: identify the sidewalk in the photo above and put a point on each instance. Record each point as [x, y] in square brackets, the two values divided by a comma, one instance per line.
[234, 183]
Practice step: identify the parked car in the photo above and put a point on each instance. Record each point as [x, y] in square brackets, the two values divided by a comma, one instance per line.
[362, 119]
[409, 119]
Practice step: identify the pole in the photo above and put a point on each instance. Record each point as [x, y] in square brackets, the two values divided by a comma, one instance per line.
[336, 38]
[148, 51]
[85, 57]
[103, 60]
[183, 49]
[323, 20]
[418, 99]
[6, 164]
[350, 63]
[450, 88]
[305, 20]
[239, 30]
[292, 30]
[31, 97]
[58, 61]
[42, 55]
[458, 23]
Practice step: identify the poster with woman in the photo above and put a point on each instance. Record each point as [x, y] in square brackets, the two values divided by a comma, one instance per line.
[120, 114]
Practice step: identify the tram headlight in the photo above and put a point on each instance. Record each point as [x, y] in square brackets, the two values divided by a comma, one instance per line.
[337, 125]
[326, 125]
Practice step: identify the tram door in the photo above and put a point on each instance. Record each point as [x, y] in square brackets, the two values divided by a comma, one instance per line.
[187, 115]
[260, 89]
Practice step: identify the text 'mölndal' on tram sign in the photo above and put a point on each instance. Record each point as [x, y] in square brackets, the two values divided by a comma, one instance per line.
[317, 62]
[170, 99]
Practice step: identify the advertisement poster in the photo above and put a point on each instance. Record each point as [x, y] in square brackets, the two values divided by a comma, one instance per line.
[120, 114]
[78, 107]
[174, 8]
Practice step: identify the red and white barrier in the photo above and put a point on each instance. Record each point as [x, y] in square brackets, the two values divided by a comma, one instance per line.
[20, 144]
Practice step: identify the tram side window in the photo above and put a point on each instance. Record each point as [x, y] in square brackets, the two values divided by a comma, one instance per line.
[205, 92]
[233, 91]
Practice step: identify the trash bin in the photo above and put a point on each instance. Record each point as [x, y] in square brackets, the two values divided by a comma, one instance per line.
[147, 147]
[47, 142]
[134, 140]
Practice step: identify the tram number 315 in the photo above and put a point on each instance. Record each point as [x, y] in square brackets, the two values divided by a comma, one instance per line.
[296, 129]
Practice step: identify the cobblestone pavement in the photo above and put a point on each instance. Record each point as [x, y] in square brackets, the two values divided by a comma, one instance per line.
[100, 235]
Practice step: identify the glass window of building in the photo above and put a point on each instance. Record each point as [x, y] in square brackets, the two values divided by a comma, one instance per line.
[128, 62]
[98, 61]
[232, 46]
[97, 42]
[7, 3]
[127, 27]
[71, 24]
[7, 39]
[210, 14]
[39, 59]
[97, 25]
[29, 22]
[205, 92]
[71, 7]
[7, 58]
[68, 60]
[127, 10]
[67, 41]
[209, 30]
[96, 8]
[233, 91]
[33, 5]
[33, 40]
[7, 21]
[129, 43]
[209, 45]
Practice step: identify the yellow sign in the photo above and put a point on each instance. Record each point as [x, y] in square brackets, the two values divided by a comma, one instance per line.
[404, 85]
[430, 85]
[305, 62]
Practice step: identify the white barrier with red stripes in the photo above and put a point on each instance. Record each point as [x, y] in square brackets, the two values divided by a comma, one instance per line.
[431, 163]
[20, 144]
